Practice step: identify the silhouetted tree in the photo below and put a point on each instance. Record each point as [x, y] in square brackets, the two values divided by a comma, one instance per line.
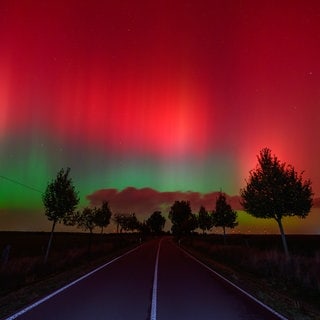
[205, 221]
[103, 215]
[60, 200]
[275, 190]
[131, 222]
[86, 220]
[126, 222]
[192, 223]
[183, 221]
[223, 215]
[144, 229]
[156, 222]
[118, 219]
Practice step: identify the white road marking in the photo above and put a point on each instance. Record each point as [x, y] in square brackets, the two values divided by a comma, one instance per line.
[280, 316]
[21, 312]
[153, 315]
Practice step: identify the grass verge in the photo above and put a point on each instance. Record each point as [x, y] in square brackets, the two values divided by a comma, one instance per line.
[37, 282]
[283, 293]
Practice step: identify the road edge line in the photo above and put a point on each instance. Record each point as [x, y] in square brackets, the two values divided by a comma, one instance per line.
[280, 316]
[153, 313]
[51, 295]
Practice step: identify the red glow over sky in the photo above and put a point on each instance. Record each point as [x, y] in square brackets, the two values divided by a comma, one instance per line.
[171, 95]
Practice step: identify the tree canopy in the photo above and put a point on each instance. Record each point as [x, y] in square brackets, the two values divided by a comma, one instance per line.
[103, 215]
[126, 222]
[205, 222]
[275, 190]
[223, 215]
[156, 222]
[86, 220]
[183, 221]
[60, 200]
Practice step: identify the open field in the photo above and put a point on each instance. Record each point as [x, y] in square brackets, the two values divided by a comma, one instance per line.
[258, 265]
[31, 244]
[305, 245]
[24, 277]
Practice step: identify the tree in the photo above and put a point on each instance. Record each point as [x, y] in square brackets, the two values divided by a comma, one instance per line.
[126, 222]
[192, 223]
[156, 222]
[183, 221]
[86, 220]
[144, 229]
[275, 190]
[103, 215]
[60, 200]
[223, 215]
[131, 222]
[119, 218]
[205, 221]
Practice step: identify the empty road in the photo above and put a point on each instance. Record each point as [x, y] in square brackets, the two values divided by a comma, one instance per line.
[157, 280]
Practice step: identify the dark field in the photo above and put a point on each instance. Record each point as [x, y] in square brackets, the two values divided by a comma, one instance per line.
[34, 244]
[71, 255]
[257, 264]
[305, 245]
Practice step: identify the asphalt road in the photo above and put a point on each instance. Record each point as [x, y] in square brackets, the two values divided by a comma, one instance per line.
[136, 287]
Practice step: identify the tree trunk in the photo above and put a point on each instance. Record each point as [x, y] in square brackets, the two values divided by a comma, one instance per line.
[49, 243]
[90, 243]
[283, 238]
[224, 235]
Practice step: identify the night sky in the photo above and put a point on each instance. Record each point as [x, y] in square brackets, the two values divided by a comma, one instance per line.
[167, 96]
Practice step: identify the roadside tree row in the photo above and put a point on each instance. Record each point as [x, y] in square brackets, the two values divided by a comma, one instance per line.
[274, 190]
[60, 200]
[184, 221]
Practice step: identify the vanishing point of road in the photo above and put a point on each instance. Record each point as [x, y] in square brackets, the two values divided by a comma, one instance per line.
[155, 281]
